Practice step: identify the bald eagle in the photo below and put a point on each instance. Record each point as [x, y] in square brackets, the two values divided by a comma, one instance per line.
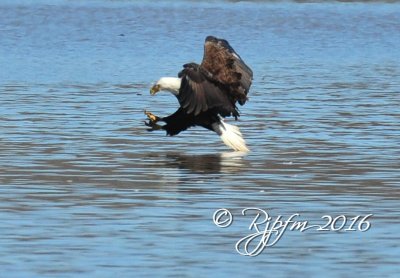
[207, 93]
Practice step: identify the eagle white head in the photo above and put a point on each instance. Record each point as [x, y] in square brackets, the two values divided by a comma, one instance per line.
[170, 84]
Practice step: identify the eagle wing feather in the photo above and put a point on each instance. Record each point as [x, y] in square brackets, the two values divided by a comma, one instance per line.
[227, 67]
[199, 94]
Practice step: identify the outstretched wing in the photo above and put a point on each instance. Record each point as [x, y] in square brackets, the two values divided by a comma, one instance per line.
[198, 93]
[226, 67]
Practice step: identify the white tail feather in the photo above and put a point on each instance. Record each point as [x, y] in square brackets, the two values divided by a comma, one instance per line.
[230, 135]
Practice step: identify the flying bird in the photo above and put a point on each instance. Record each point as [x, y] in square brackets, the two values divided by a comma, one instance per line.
[207, 93]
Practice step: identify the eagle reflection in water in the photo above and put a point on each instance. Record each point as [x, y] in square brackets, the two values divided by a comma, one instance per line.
[229, 162]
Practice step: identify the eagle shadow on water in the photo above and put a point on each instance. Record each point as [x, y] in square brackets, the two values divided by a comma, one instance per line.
[229, 162]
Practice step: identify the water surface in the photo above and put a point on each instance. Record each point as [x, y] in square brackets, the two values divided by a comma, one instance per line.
[87, 191]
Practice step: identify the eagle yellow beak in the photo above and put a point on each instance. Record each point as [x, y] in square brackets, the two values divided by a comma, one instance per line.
[154, 89]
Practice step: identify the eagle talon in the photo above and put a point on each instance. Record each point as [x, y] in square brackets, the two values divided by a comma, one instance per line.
[152, 125]
[153, 118]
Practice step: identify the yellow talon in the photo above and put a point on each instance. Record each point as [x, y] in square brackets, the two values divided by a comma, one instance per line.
[153, 118]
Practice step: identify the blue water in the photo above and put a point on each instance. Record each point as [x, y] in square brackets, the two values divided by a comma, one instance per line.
[85, 190]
